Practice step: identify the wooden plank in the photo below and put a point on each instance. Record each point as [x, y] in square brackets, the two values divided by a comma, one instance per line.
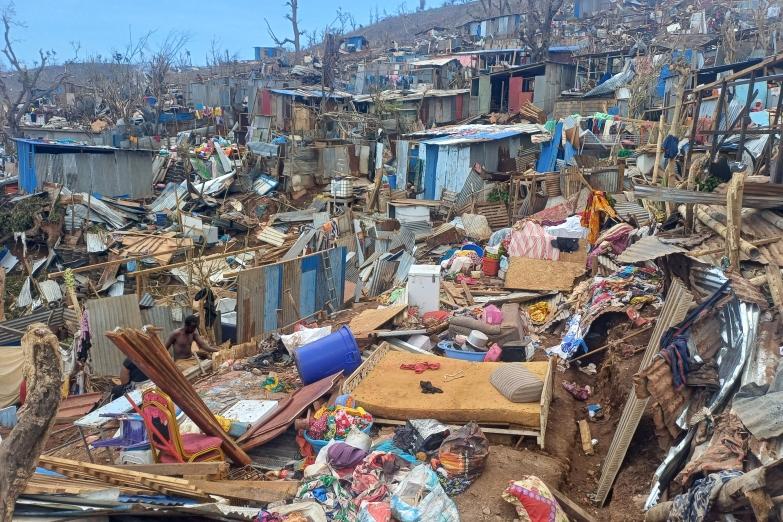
[586, 437]
[734, 219]
[571, 508]
[775, 282]
[215, 470]
[262, 491]
[540, 274]
[370, 320]
[468, 295]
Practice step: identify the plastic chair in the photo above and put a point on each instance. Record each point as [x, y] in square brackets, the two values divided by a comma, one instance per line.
[133, 434]
[168, 445]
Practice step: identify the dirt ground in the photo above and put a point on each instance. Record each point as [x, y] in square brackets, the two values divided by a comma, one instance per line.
[562, 463]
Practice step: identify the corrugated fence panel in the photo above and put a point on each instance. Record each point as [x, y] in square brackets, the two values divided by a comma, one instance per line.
[161, 317]
[273, 276]
[250, 293]
[308, 284]
[106, 314]
[292, 271]
[297, 288]
[54, 318]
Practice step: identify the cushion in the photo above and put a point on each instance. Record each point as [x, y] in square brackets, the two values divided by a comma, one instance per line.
[516, 383]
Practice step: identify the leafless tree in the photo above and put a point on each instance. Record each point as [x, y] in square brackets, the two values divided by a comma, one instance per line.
[484, 9]
[293, 17]
[536, 31]
[117, 82]
[161, 63]
[33, 84]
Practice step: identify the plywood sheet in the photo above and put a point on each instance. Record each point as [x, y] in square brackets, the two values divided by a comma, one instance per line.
[392, 393]
[370, 320]
[540, 274]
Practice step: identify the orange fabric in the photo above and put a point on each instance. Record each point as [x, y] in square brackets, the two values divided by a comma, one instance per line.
[592, 218]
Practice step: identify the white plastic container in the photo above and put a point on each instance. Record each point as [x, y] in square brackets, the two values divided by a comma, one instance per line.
[424, 287]
[342, 188]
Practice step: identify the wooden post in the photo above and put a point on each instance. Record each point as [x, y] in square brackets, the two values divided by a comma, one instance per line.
[716, 122]
[745, 116]
[658, 151]
[734, 219]
[20, 451]
[688, 158]
[586, 437]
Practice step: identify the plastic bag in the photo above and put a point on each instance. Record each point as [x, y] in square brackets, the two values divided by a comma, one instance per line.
[303, 337]
[464, 453]
[420, 498]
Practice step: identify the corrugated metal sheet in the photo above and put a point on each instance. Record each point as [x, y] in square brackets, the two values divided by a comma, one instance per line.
[405, 262]
[311, 93]
[608, 180]
[707, 198]
[647, 249]
[105, 315]
[674, 310]
[294, 287]
[739, 325]
[167, 200]
[626, 210]
[25, 297]
[8, 261]
[54, 318]
[382, 277]
[406, 238]
[50, 290]
[473, 185]
[466, 134]
[612, 84]
[95, 242]
[419, 229]
[161, 317]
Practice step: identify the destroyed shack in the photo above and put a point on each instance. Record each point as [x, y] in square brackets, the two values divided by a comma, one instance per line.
[85, 168]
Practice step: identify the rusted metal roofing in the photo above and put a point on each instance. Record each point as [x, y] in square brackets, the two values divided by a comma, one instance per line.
[738, 327]
[647, 249]
[77, 406]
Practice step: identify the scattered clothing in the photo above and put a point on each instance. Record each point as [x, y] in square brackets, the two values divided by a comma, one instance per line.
[533, 501]
[695, 504]
[581, 393]
[427, 387]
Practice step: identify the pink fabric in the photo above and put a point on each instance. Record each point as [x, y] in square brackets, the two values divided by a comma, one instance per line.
[532, 241]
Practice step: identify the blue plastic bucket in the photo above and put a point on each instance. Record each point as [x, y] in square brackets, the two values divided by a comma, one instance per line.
[328, 355]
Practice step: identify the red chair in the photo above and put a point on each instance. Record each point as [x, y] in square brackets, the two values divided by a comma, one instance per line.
[169, 446]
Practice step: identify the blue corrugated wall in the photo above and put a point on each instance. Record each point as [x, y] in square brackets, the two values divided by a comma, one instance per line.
[27, 181]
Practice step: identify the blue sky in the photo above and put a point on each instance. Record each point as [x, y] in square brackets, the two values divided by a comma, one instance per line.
[238, 25]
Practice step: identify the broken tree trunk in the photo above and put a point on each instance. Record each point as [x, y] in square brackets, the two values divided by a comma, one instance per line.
[734, 219]
[20, 451]
[754, 489]
[719, 228]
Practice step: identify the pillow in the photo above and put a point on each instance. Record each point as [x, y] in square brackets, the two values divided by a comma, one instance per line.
[516, 383]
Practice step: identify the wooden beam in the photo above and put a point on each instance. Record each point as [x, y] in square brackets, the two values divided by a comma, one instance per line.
[212, 470]
[261, 491]
[770, 60]
[734, 219]
[656, 166]
[586, 437]
[571, 508]
[775, 281]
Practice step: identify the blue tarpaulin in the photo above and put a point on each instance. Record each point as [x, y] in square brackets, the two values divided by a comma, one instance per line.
[550, 151]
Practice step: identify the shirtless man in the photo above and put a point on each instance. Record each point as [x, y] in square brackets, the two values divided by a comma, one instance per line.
[182, 340]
